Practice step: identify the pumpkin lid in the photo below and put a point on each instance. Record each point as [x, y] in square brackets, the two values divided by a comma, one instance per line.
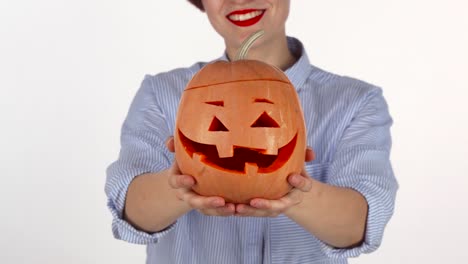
[220, 72]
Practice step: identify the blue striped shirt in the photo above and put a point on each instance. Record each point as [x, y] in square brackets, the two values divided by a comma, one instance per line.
[348, 126]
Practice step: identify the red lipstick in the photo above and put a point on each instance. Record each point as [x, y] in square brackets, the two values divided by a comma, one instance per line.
[246, 17]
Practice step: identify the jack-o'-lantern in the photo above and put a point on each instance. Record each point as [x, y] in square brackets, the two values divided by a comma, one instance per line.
[240, 131]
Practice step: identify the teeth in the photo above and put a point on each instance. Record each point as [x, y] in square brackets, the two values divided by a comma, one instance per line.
[243, 17]
[250, 168]
[199, 165]
[197, 156]
[225, 151]
[273, 150]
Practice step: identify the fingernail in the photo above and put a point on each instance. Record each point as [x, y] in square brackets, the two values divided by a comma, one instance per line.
[188, 181]
[297, 179]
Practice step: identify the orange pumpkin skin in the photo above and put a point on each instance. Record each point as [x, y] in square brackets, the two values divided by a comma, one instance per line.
[240, 131]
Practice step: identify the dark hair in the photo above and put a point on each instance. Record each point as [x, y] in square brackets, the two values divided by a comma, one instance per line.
[198, 4]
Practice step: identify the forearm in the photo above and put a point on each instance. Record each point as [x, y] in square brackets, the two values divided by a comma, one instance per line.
[335, 215]
[151, 204]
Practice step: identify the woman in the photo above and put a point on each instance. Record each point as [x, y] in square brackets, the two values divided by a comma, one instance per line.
[339, 205]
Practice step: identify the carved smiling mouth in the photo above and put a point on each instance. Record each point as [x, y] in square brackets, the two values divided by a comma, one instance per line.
[244, 159]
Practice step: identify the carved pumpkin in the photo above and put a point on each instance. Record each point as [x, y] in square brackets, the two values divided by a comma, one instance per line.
[240, 131]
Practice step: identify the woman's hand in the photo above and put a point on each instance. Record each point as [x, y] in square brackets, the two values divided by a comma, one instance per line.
[301, 183]
[259, 207]
[182, 184]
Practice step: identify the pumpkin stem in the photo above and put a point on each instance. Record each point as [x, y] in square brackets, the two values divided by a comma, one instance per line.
[245, 46]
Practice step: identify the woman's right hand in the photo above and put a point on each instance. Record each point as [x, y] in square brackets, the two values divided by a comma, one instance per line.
[182, 184]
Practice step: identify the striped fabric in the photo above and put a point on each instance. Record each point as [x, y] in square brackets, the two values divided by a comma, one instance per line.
[348, 126]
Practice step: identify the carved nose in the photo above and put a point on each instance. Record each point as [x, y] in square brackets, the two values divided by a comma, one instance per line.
[217, 125]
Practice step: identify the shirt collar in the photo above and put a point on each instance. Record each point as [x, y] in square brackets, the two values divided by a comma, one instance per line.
[300, 70]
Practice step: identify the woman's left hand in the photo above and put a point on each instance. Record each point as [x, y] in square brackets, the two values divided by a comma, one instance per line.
[270, 208]
[259, 207]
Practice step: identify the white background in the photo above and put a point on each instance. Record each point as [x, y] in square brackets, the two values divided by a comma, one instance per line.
[69, 70]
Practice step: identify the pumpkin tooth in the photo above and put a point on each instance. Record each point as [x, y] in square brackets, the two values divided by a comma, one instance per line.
[225, 150]
[250, 168]
[198, 156]
[198, 164]
[271, 150]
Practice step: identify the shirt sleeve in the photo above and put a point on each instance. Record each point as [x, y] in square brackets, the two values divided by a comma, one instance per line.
[362, 162]
[142, 151]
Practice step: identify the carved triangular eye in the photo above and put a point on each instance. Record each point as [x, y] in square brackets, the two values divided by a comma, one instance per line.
[216, 125]
[263, 100]
[217, 103]
[265, 121]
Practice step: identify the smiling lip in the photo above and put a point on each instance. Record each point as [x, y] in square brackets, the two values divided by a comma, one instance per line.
[246, 17]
